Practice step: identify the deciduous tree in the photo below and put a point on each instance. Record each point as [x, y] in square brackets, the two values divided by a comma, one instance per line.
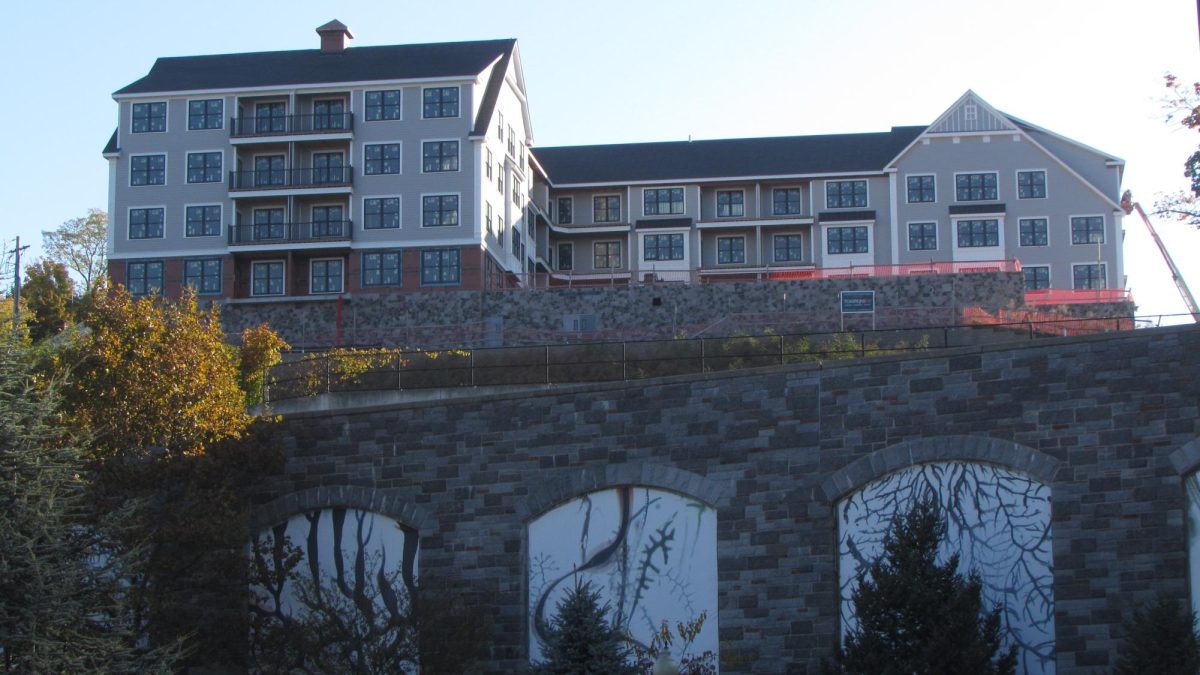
[1182, 104]
[80, 245]
[49, 294]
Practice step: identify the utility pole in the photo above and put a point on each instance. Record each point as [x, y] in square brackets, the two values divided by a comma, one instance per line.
[17, 282]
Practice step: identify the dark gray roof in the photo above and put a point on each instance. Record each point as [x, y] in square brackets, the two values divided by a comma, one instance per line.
[490, 95]
[679, 160]
[310, 66]
[111, 146]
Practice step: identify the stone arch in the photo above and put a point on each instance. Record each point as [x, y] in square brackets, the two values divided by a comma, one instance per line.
[382, 501]
[559, 487]
[1038, 465]
[1186, 458]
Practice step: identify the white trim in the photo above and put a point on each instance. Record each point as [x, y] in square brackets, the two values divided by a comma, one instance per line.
[187, 110]
[129, 209]
[774, 260]
[922, 175]
[722, 179]
[446, 117]
[458, 152]
[779, 221]
[558, 209]
[683, 263]
[313, 88]
[310, 275]
[975, 173]
[255, 263]
[558, 251]
[175, 254]
[1017, 183]
[800, 188]
[976, 253]
[1103, 263]
[166, 169]
[366, 90]
[421, 209]
[187, 157]
[894, 211]
[621, 255]
[1103, 228]
[399, 211]
[363, 153]
[866, 184]
[573, 229]
[1049, 275]
[848, 259]
[937, 243]
[166, 116]
[620, 209]
[1048, 244]
[717, 202]
[220, 220]
[681, 187]
[291, 138]
[717, 248]
[194, 258]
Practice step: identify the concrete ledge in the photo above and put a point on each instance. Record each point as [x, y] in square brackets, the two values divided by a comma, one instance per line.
[1186, 459]
[385, 502]
[552, 488]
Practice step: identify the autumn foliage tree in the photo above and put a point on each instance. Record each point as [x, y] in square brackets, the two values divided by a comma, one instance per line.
[49, 294]
[1182, 104]
[80, 244]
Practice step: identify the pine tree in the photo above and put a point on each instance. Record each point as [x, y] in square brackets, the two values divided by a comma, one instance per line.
[916, 616]
[1160, 639]
[581, 641]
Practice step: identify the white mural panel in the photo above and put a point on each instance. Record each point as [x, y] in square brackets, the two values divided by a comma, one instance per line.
[651, 553]
[998, 521]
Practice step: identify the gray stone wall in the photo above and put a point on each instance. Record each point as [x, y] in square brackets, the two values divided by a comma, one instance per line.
[1098, 418]
[473, 318]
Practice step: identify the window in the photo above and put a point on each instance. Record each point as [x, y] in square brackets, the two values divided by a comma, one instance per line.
[566, 257]
[566, 208]
[268, 224]
[382, 158]
[439, 210]
[146, 223]
[921, 189]
[840, 240]
[148, 170]
[440, 102]
[516, 241]
[269, 170]
[487, 217]
[731, 250]
[1087, 230]
[662, 202]
[512, 143]
[266, 278]
[149, 117]
[381, 213]
[922, 236]
[328, 167]
[606, 255]
[329, 114]
[327, 221]
[143, 277]
[439, 156]
[270, 118]
[500, 230]
[731, 204]
[606, 209]
[383, 105]
[202, 221]
[203, 274]
[1036, 278]
[440, 266]
[662, 247]
[1091, 277]
[206, 114]
[1034, 232]
[978, 233]
[516, 191]
[204, 167]
[785, 201]
[788, 248]
[500, 126]
[325, 276]
[487, 164]
[381, 269]
[975, 187]
[845, 194]
[1031, 185]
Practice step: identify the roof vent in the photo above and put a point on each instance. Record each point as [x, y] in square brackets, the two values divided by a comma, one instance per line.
[333, 37]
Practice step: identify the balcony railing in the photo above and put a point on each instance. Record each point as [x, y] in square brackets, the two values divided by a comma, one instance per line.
[290, 233]
[289, 125]
[277, 179]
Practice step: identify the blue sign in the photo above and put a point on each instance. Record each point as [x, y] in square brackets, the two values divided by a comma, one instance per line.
[858, 302]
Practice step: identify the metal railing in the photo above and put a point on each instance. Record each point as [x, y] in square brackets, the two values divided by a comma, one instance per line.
[284, 125]
[1066, 296]
[275, 179]
[401, 369]
[289, 233]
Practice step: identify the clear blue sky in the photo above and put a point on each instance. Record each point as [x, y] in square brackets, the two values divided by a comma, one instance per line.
[636, 71]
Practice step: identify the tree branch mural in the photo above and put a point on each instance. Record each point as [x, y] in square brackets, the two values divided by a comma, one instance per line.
[997, 520]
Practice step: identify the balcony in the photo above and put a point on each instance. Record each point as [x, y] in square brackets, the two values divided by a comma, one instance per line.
[291, 233]
[283, 179]
[291, 125]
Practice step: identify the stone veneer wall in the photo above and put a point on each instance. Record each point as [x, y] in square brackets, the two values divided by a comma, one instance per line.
[452, 318]
[1106, 422]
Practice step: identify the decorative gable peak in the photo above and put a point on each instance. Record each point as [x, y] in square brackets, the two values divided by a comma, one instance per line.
[970, 114]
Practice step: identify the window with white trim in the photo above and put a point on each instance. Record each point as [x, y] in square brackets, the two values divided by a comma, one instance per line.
[845, 194]
[1091, 276]
[143, 277]
[975, 187]
[731, 250]
[204, 167]
[848, 239]
[206, 114]
[922, 236]
[437, 156]
[380, 268]
[1033, 232]
[383, 105]
[731, 203]
[441, 267]
[978, 233]
[381, 158]
[566, 257]
[662, 246]
[1087, 229]
[381, 213]
[148, 170]
[921, 189]
[1031, 185]
[439, 102]
[1036, 278]
[662, 201]
[566, 207]
[788, 248]
[325, 275]
[439, 211]
[266, 278]
[146, 223]
[606, 209]
[203, 274]
[327, 221]
[149, 117]
[202, 221]
[606, 255]
[786, 202]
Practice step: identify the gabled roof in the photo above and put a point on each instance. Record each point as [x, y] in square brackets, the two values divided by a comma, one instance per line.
[111, 148]
[310, 66]
[690, 160]
[491, 93]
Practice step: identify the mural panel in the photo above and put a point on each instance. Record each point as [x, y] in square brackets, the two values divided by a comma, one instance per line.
[997, 520]
[1192, 487]
[651, 553]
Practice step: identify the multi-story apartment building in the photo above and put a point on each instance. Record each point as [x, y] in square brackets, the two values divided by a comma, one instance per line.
[401, 168]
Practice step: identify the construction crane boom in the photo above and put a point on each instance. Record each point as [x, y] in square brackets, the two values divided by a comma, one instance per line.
[1180, 283]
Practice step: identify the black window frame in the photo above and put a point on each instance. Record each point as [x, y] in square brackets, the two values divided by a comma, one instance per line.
[1095, 272]
[569, 257]
[790, 206]
[204, 171]
[445, 261]
[378, 263]
[665, 247]
[602, 205]
[1033, 232]
[849, 240]
[142, 270]
[731, 250]
[792, 248]
[731, 203]
[381, 164]
[655, 196]
[976, 187]
[439, 209]
[612, 249]
[150, 114]
[204, 225]
[441, 160]
[206, 118]
[381, 110]
[1083, 227]
[1028, 188]
[844, 194]
[271, 228]
[921, 188]
[270, 279]
[145, 223]
[326, 276]
[325, 171]
[985, 230]
[329, 114]
[274, 172]
[378, 213]
[1035, 280]
[208, 278]
[435, 100]
[330, 226]
[569, 211]
[924, 235]
[148, 173]
[275, 119]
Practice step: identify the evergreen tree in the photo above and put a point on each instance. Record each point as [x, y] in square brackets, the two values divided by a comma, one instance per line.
[916, 616]
[581, 641]
[1160, 639]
